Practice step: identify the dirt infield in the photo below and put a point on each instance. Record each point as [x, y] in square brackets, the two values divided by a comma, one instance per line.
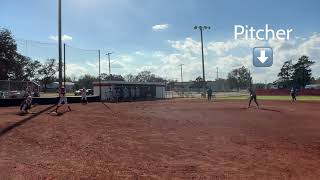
[172, 139]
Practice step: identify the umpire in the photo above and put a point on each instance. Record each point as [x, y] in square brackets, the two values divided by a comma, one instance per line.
[209, 94]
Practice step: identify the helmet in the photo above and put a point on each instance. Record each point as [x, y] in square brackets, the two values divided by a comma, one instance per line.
[29, 98]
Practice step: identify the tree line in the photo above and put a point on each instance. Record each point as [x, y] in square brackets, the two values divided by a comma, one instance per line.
[239, 78]
[15, 66]
[144, 76]
[291, 75]
[296, 75]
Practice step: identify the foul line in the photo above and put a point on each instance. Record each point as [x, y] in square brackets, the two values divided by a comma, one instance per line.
[19, 123]
[108, 108]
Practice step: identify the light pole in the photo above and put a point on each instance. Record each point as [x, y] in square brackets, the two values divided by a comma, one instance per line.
[64, 64]
[60, 43]
[201, 28]
[108, 54]
[217, 73]
[181, 73]
[99, 74]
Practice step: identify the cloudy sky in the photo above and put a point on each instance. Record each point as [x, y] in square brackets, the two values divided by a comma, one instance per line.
[158, 35]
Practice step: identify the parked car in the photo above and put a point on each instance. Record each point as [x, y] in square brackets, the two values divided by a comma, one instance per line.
[16, 94]
[312, 86]
[78, 92]
[90, 92]
[2, 96]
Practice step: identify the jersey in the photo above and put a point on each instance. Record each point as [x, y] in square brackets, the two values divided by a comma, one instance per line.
[62, 93]
[83, 92]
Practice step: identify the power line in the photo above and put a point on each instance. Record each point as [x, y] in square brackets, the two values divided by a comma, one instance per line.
[34, 42]
[81, 49]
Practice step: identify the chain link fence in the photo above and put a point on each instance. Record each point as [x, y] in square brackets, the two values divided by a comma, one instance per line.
[18, 89]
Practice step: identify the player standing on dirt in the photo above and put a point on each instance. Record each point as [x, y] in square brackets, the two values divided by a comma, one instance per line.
[253, 96]
[63, 98]
[293, 93]
[84, 95]
[26, 105]
[209, 94]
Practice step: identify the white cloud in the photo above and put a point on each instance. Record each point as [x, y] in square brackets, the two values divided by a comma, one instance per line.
[76, 70]
[64, 38]
[160, 27]
[139, 53]
[225, 55]
[121, 63]
[222, 48]
[188, 46]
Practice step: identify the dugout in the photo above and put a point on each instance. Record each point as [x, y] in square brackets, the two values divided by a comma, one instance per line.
[129, 91]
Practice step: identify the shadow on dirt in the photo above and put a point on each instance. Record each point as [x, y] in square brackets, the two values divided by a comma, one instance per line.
[21, 122]
[273, 110]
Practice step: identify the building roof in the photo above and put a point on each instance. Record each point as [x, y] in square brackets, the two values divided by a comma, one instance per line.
[67, 83]
[128, 83]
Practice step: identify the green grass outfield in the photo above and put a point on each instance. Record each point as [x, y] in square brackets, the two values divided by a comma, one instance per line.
[283, 98]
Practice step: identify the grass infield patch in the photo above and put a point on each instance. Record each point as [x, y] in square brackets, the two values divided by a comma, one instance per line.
[284, 98]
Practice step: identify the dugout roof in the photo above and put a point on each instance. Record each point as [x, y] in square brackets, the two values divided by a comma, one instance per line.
[108, 83]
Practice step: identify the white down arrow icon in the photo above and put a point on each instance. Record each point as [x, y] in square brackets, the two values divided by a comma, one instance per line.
[262, 57]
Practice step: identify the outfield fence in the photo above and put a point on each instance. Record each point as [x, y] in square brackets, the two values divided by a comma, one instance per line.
[286, 92]
[196, 94]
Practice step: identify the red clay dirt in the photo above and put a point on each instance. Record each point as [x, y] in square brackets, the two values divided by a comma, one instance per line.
[170, 139]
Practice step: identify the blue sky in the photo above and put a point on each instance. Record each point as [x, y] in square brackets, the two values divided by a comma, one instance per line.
[125, 27]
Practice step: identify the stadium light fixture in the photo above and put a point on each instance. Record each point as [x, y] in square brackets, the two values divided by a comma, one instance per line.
[201, 28]
[108, 54]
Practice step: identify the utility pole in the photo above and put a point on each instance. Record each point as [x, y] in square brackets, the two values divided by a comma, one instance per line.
[201, 28]
[181, 73]
[217, 73]
[99, 74]
[265, 84]
[60, 42]
[108, 54]
[64, 64]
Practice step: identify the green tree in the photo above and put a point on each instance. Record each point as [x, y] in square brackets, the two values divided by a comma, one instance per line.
[47, 72]
[285, 75]
[147, 76]
[31, 70]
[18, 68]
[111, 77]
[13, 65]
[198, 83]
[130, 78]
[302, 74]
[86, 81]
[239, 78]
[8, 52]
